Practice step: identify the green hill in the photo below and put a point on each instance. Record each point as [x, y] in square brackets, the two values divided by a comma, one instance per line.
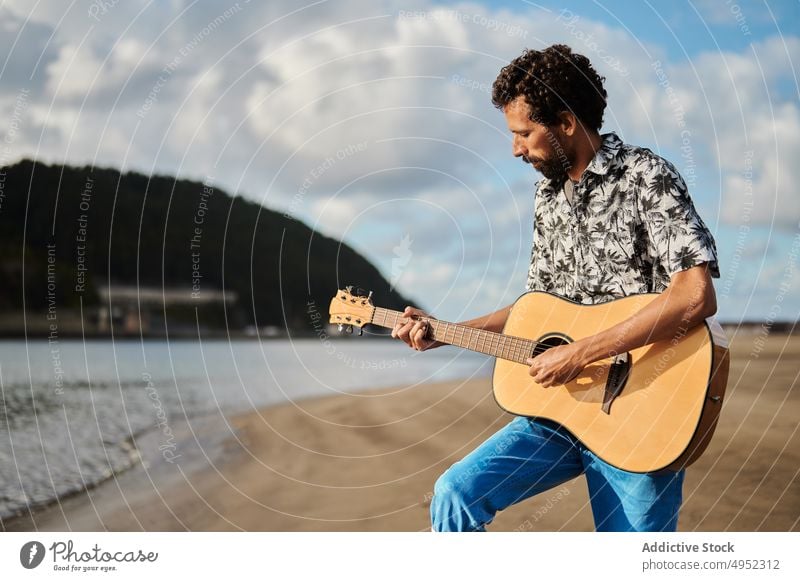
[66, 233]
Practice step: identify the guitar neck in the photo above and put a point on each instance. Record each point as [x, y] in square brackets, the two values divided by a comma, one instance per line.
[479, 340]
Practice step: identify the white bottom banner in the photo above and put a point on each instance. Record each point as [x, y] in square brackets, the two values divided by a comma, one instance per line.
[355, 556]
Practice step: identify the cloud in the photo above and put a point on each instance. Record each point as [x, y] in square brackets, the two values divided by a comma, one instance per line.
[739, 120]
[27, 51]
[374, 121]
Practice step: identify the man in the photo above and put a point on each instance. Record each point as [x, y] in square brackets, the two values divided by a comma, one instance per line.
[610, 220]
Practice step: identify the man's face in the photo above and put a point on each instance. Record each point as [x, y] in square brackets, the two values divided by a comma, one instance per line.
[537, 144]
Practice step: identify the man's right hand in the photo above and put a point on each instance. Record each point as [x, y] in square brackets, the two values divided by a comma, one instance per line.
[415, 333]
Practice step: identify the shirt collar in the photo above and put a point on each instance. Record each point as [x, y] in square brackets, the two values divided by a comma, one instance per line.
[605, 155]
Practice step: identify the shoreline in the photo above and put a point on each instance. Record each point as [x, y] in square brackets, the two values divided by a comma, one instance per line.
[367, 461]
[105, 505]
[24, 513]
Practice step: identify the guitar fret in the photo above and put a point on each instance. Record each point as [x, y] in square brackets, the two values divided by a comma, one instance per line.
[472, 338]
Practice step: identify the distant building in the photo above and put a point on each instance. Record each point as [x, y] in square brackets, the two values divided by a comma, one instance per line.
[132, 309]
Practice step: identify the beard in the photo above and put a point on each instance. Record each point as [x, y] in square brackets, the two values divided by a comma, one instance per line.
[552, 168]
[557, 163]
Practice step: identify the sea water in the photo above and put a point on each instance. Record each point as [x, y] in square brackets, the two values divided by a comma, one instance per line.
[69, 410]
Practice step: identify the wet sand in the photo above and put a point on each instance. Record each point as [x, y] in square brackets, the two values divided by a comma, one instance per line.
[368, 462]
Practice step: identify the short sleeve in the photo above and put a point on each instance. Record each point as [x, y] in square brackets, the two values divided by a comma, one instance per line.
[679, 238]
[539, 276]
[531, 273]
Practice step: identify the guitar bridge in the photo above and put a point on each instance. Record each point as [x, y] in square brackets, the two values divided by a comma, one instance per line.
[617, 378]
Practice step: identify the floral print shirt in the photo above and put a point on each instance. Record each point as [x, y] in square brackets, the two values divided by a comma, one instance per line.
[630, 226]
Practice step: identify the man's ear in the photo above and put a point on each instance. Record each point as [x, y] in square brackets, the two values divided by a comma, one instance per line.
[567, 123]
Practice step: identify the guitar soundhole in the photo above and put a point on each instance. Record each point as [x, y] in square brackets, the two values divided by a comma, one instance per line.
[548, 341]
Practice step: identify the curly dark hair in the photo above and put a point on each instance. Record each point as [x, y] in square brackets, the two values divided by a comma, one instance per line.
[553, 80]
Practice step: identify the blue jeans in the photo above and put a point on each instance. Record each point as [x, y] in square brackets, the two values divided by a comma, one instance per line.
[530, 456]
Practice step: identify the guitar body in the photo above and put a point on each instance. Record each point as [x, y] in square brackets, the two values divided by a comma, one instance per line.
[663, 417]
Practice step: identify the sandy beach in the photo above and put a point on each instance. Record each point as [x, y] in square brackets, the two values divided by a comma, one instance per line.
[368, 462]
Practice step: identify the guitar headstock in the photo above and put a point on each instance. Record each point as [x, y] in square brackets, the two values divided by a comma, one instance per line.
[351, 309]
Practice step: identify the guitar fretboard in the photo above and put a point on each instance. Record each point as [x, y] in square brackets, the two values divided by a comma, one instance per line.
[488, 342]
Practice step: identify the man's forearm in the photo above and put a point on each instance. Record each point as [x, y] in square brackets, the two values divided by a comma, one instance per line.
[670, 315]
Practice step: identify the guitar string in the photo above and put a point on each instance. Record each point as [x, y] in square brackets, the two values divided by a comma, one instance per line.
[503, 346]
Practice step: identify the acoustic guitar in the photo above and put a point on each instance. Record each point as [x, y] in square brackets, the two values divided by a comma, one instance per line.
[653, 408]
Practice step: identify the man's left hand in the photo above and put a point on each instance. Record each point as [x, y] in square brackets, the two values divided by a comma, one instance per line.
[558, 365]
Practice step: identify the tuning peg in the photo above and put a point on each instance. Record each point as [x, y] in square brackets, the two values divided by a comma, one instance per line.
[349, 289]
[349, 329]
[341, 327]
[360, 331]
[369, 296]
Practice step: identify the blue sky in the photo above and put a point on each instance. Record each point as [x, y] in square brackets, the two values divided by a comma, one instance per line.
[371, 121]
[682, 27]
